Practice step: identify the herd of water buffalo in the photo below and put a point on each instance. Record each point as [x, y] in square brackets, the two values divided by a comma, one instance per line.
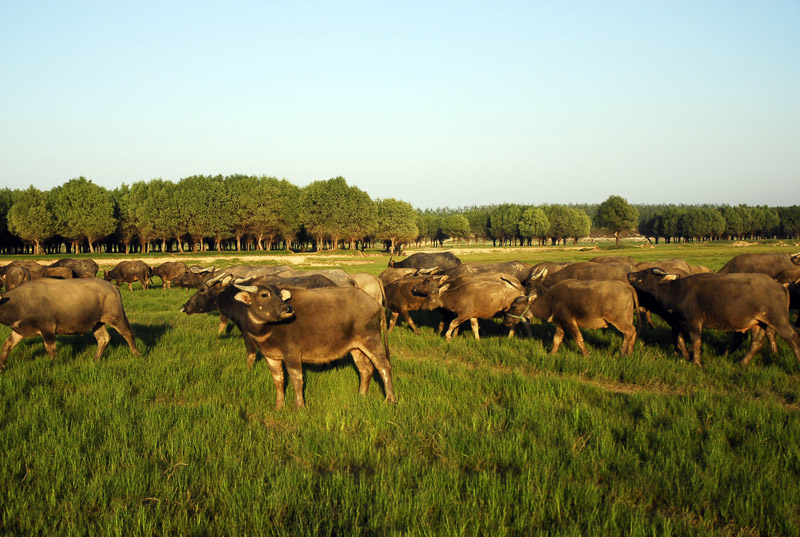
[296, 316]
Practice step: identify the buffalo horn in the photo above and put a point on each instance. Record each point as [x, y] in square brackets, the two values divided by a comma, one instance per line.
[247, 288]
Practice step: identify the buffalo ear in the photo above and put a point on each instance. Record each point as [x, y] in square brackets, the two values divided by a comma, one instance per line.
[285, 294]
[244, 297]
[444, 288]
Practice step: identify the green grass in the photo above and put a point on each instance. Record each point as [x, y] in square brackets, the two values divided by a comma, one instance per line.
[491, 437]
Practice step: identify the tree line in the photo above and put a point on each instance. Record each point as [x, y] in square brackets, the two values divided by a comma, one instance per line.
[241, 212]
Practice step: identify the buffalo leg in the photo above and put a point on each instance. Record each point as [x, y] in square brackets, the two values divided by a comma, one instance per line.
[393, 320]
[474, 324]
[365, 370]
[454, 324]
[102, 337]
[49, 339]
[11, 341]
[223, 323]
[575, 332]
[558, 337]
[123, 327]
[294, 367]
[410, 321]
[756, 343]
[276, 368]
[377, 355]
[628, 338]
[130, 286]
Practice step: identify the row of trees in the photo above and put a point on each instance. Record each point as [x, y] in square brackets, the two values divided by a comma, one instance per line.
[241, 212]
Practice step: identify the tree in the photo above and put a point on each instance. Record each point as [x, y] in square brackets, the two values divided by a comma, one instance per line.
[503, 222]
[241, 191]
[456, 226]
[559, 217]
[580, 225]
[617, 215]
[362, 216]
[30, 216]
[323, 210]
[83, 210]
[123, 214]
[396, 222]
[533, 223]
[204, 209]
[478, 218]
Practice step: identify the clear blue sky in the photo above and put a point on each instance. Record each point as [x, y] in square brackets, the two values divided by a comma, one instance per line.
[441, 104]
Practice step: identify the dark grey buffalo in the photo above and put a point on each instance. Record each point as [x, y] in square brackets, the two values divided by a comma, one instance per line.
[129, 272]
[168, 271]
[730, 302]
[423, 260]
[516, 269]
[576, 304]
[35, 270]
[626, 259]
[81, 268]
[16, 276]
[48, 307]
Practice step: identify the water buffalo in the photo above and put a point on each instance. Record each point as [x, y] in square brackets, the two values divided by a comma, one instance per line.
[210, 297]
[48, 307]
[584, 271]
[470, 297]
[516, 269]
[770, 264]
[62, 273]
[730, 302]
[81, 268]
[628, 260]
[194, 277]
[400, 300]
[35, 269]
[168, 271]
[129, 272]
[575, 304]
[16, 276]
[421, 260]
[316, 326]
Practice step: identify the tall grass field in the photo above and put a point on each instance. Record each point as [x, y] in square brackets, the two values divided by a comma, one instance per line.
[491, 437]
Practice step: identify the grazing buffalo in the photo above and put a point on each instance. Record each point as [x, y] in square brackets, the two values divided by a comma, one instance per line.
[470, 297]
[129, 272]
[194, 277]
[35, 269]
[48, 307]
[516, 269]
[584, 271]
[613, 259]
[168, 271]
[729, 302]
[672, 265]
[422, 260]
[81, 268]
[400, 300]
[770, 264]
[16, 276]
[315, 326]
[62, 273]
[575, 304]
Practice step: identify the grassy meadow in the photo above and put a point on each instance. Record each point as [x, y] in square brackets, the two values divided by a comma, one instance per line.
[494, 437]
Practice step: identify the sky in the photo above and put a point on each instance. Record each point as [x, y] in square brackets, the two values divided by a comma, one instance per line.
[440, 104]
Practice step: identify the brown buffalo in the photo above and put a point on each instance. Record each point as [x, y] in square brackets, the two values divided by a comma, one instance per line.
[16, 276]
[129, 272]
[81, 268]
[770, 264]
[576, 304]
[470, 297]
[168, 271]
[316, 326]
[62, 273]
[583, 271]
[628, 260]
[48, 307]
[729, 302]
[423, 260]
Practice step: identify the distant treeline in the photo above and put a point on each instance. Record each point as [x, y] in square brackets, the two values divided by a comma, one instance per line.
[240, 212]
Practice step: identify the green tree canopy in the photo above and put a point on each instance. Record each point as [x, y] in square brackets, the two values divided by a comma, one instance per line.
[456, 226]
[617, 215]
[31, 216]
[83, 210]
[533, 223]
[396, 222]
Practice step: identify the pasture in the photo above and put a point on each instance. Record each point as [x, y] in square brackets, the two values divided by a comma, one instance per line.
[494, 437]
